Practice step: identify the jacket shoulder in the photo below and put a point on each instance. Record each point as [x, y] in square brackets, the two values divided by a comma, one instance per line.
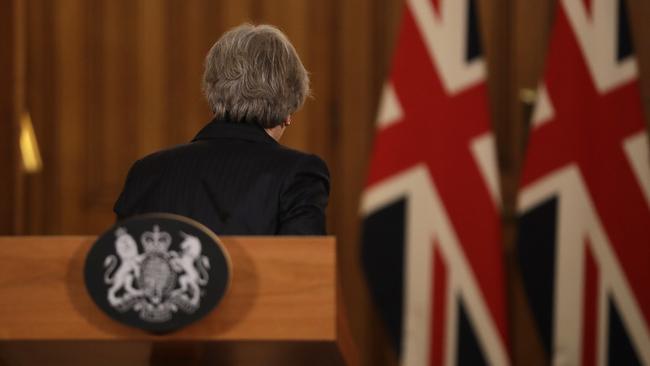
[301, 160]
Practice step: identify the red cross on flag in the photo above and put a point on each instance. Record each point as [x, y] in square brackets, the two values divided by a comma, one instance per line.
[584, 205]
[431, 233]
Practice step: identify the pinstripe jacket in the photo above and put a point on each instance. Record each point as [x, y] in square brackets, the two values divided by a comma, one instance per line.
[235, 179]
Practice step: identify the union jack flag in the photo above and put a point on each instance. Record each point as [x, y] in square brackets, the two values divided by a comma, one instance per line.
[584, 243]
[431, 233]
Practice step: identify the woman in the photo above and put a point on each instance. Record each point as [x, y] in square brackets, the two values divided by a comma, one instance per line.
[235, 177]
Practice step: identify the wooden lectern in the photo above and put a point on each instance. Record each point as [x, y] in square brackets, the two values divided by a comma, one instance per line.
[280, 308]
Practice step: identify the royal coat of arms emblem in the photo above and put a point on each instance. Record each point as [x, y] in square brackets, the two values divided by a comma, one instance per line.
[159, 281]
[164, 278]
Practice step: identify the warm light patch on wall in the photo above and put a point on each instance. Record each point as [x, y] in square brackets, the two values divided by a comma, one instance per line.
[32, 162]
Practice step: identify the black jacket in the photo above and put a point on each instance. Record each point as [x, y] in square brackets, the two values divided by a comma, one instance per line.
[235, 179]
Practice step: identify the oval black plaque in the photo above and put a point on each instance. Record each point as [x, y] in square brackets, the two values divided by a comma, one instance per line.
[157, 272]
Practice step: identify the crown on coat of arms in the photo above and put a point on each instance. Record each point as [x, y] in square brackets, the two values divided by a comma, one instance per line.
[156, 240]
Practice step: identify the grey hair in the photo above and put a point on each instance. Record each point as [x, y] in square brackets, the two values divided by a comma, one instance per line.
[253, 74]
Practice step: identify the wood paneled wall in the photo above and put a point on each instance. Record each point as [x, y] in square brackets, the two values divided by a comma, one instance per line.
[108, 81]
[11, 100]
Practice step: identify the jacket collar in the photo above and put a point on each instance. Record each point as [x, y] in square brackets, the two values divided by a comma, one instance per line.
[226, 129]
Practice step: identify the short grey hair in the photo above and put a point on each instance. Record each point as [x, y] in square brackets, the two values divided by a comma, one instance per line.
[253, 74]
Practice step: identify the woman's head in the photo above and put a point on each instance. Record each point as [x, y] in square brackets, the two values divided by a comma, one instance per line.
[253, 74]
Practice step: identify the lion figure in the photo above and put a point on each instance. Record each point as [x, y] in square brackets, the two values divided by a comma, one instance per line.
[128, 270]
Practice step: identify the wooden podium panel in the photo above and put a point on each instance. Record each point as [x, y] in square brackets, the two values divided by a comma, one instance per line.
[283, 289]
